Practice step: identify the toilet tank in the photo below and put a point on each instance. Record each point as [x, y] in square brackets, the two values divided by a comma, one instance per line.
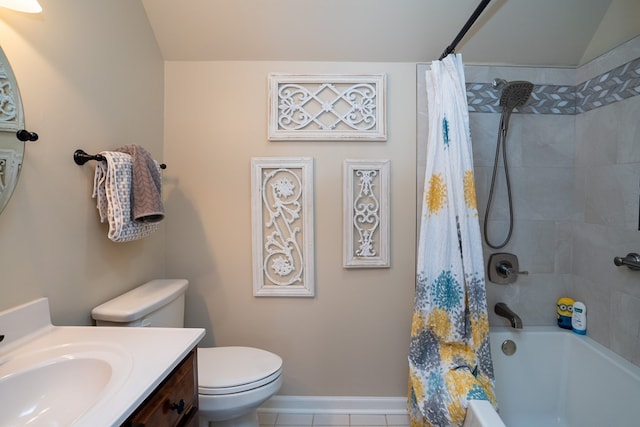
[157, 303]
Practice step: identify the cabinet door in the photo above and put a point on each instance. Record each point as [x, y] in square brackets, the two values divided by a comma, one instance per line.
[191, 419]
[174, 402]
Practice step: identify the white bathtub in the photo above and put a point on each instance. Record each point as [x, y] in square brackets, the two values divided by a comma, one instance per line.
[558, 378]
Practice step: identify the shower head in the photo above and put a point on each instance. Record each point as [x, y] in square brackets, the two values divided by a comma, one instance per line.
[498, 83]
[514, 94]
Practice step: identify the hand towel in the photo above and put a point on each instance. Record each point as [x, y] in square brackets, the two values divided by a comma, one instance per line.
[112, 188]
[146, 195]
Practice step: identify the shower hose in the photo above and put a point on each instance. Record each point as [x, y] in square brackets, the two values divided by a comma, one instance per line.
[501, 144]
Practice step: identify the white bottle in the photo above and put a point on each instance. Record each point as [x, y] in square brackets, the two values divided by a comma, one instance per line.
[579, 318]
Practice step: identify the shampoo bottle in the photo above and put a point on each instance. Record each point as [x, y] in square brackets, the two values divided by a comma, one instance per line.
[579, 318]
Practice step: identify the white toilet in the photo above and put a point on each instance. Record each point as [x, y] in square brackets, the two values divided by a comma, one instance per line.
[233, 381]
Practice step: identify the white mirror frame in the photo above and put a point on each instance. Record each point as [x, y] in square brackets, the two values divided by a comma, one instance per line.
[11, 121]
[11, 112]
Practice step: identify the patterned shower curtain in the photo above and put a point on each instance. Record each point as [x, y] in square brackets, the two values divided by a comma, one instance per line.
[449, 354]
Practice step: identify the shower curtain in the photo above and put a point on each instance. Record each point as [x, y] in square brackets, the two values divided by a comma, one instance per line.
[449, 354]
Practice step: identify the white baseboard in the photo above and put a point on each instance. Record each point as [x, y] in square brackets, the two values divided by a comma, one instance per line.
[334, 405]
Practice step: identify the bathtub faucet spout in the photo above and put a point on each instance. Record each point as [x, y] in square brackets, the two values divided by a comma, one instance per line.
[501, 309]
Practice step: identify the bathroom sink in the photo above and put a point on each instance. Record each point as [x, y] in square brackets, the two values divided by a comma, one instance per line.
[57, 385]
[80, 376]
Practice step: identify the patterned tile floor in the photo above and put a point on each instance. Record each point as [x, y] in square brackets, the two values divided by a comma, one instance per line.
[333, 420]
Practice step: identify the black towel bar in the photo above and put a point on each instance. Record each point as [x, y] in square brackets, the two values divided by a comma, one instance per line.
[81, 157]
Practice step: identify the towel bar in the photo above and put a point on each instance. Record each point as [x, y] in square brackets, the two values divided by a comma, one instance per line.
[81, 157]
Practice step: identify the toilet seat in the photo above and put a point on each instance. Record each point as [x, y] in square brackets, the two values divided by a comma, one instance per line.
[227, 370]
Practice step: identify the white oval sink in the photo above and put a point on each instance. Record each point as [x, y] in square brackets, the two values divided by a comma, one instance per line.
[53, 394]
[80, 376]
[56, 386]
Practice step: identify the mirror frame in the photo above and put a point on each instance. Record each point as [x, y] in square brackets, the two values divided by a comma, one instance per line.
[11, 121]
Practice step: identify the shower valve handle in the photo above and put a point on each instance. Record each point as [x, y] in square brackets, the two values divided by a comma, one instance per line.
[506, 269]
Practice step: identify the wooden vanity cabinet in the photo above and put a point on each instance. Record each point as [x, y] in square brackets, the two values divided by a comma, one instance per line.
[174, 402]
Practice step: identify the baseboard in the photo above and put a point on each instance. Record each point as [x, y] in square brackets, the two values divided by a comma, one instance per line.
[334, 405]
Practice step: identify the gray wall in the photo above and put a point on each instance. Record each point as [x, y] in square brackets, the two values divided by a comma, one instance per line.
[575, 181]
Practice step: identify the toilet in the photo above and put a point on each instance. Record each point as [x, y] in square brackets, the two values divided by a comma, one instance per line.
[232, 381]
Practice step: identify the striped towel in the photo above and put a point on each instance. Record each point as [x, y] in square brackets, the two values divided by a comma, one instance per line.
[112, 186]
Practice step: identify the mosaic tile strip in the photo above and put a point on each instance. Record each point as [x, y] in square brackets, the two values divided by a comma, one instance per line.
[615, 85]
[551, 99]
[482, 98]
[545, 99]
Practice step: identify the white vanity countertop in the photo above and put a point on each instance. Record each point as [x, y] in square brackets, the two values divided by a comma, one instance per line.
[155, 352]
[140, 358]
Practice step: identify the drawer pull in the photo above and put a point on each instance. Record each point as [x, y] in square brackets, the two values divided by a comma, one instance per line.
[178, 407]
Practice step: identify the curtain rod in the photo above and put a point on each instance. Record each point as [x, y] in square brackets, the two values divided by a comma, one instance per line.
[452, 47]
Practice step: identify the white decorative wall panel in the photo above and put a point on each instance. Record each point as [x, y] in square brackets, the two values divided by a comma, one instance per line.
[327, 107]
[366, 213]
[282, 217]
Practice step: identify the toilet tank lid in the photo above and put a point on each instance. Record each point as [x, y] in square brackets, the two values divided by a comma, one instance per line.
[140, 301]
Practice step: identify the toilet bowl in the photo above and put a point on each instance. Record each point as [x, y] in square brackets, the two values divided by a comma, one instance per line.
[232, 381]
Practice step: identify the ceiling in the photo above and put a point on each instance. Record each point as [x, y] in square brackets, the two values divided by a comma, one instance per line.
[519, 32]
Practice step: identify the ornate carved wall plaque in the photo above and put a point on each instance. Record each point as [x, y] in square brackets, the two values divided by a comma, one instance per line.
[366, 213]
[282, 216]
[327, 107]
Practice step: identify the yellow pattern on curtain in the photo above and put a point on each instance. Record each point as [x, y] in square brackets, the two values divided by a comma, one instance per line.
[449, 354]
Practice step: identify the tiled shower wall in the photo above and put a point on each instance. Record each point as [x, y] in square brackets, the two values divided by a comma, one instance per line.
[574, 164]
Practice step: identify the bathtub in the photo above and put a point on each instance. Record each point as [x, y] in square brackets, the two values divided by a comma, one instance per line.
[558, 378]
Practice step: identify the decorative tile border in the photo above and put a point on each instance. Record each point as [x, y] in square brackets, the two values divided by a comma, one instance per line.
[615, 85]
[551, 99]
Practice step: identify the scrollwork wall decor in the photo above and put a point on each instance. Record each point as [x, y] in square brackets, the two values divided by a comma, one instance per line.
[366, 213]
[327, 107]
[282, 217]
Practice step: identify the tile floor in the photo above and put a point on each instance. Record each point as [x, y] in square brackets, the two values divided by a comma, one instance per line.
[333, 420]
